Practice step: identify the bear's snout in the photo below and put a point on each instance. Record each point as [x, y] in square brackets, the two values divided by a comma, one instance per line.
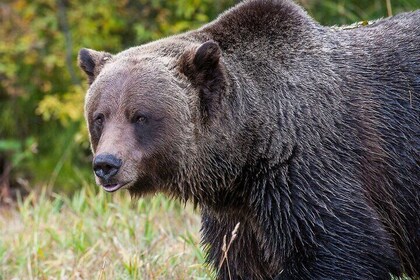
[106, 166]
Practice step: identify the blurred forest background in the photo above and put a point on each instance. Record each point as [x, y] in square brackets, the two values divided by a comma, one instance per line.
[43, 139]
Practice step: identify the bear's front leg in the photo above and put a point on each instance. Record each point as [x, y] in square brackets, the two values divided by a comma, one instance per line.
[234, 258]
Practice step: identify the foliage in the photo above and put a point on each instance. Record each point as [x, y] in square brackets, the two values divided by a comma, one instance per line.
[94, 235]
[341, 12]
[19, 151]
[42, 91]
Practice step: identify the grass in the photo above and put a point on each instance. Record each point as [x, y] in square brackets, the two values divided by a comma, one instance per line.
[94, 235]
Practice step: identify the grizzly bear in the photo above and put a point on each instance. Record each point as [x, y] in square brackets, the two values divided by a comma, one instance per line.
[303, 137]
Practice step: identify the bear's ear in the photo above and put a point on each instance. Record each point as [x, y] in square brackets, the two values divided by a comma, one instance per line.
[92, 62]
[203, 68]
[207, 56]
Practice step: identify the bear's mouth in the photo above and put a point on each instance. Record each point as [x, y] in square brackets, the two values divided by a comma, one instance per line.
[113, 187]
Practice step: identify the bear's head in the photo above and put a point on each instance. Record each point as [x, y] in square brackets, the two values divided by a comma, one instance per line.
[154, 116]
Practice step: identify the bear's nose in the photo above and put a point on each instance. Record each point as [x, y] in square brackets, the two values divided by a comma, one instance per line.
[105, 166]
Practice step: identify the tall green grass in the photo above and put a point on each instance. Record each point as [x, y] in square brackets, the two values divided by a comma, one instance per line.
[94, 235]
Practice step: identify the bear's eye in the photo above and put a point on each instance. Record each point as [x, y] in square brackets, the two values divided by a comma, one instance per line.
[99, 120]
[140, 119]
